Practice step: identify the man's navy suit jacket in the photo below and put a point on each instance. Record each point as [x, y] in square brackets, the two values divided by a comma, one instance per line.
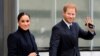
[64, 41]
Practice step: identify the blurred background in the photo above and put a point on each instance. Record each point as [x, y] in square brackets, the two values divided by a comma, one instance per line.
[44, 15]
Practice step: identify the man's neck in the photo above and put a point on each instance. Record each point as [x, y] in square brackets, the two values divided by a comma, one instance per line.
[67, 22]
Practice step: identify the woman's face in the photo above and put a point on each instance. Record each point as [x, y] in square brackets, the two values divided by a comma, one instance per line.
[24, 22]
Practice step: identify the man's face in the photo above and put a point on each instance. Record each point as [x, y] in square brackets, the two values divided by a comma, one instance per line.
[69, 15]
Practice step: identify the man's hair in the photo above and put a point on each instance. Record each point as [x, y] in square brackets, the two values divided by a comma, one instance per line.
[69, 5]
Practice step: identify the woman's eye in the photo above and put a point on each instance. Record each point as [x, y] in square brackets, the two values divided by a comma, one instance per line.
[22, 21]
[27, 21]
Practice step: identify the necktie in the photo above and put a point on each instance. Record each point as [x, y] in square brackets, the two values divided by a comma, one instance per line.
[70, 27]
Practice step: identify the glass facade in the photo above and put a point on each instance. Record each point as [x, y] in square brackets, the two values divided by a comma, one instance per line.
[96, 42]
[46, 13]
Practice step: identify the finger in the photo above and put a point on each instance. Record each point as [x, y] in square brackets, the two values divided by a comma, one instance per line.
[34, 54]
[86, 20]
[89, 20]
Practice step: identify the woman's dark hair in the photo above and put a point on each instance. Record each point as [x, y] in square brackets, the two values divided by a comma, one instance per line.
[21, 14]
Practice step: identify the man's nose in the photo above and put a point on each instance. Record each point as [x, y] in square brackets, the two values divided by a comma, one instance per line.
[71, 16]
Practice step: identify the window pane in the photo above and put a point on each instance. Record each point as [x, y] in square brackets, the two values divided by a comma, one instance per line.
[97, 22]
[45, 13]
[41, 19]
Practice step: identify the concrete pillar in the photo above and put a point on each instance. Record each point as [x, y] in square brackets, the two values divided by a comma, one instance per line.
[8, 17]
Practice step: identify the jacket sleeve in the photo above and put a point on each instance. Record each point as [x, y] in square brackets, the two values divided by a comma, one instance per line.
[86, 34]
[35, 45]
[54, 42]
[12, 45]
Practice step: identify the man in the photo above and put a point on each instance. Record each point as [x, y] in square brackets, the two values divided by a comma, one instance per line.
[64, 39]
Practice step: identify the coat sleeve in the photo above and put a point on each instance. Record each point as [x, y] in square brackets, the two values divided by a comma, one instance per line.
[35, 45]
[54, 42]
[12, 45]
[85, 34]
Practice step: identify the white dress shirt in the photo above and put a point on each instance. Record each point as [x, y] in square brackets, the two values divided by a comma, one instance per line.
[67, 23]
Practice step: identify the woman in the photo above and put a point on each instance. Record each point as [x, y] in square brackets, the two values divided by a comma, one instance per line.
[22, 42]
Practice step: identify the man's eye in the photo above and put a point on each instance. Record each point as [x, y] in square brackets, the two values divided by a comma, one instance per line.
[68, 13]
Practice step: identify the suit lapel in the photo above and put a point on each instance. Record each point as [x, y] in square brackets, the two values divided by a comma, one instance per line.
[71, 33]
[33, 42]
[64, 25]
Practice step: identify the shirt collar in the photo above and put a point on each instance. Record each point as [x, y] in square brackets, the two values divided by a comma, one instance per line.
[67, 23]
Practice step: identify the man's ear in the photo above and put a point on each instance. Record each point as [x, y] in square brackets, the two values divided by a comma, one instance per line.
[63, 14]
